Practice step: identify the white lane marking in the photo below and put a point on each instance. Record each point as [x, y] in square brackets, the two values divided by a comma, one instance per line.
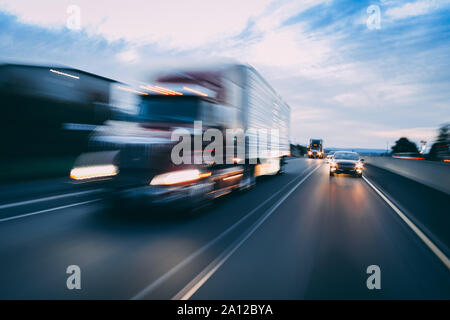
[192, 287]
[66, 195]
[152, 286]
[48, 210]
[410, 224]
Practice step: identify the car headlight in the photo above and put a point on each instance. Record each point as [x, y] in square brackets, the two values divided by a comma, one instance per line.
[359, 165]
[90, 172]
[176, 177]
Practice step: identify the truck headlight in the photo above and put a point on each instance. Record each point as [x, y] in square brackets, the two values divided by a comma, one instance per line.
[176, 177]
[359, 165]
[90, 172]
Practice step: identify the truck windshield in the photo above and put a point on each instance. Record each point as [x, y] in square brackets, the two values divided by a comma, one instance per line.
[170, 108]
[315, 144]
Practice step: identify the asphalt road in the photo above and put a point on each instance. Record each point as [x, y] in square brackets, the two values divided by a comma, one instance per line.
[300, 235]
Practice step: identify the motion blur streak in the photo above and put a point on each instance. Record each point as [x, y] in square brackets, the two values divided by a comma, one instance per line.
[414, 158]
[195, 91]
[83, 173]
[100, 155]
[131, 90]
[143, 293]
[410, 224]
[21, 203]
[64, 74]
[316, 244]
[193, 286]
[48, 210]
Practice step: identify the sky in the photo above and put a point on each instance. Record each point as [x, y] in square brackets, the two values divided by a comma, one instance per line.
[355, 73]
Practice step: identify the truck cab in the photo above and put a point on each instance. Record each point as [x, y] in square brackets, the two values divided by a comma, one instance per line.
[315, 148]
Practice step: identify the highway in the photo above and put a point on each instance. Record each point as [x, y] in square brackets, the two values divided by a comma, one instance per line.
[300, 235]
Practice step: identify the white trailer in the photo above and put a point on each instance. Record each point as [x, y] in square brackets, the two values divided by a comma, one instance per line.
[256, 109]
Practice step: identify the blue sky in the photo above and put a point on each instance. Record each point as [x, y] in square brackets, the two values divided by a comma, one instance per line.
[348, 84]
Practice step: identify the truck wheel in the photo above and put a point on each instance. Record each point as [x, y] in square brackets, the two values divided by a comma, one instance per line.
[282, 163]
[331, 174]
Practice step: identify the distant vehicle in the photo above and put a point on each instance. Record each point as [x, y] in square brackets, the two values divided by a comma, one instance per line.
[315, 148]
[408, 155]
[329, 156]
[133, 156]
[346, 162]
[49, 111]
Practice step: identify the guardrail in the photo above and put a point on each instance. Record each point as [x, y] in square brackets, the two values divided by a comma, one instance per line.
[433, 174]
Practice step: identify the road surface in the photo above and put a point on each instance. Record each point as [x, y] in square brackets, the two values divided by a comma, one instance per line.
[301, 235]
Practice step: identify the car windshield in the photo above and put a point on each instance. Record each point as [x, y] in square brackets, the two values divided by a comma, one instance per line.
[346, 155]
[170, 108]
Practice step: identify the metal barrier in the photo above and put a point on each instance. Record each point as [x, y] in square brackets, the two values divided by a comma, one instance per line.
[433, 174]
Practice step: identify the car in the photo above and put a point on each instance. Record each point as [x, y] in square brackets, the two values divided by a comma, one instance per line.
[346, 162]
[329, 156]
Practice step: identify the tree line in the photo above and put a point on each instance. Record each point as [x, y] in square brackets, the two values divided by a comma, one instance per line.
[439, 150]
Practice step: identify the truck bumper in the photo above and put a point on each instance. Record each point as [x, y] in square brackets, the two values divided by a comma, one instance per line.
[186, 197]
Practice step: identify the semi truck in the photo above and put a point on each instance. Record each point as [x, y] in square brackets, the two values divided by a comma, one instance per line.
[315, 148]
[187, 137]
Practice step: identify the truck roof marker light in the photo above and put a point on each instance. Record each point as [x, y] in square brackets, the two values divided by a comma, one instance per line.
[154, 89]
[170, 92]
[162, 90]
[195, 91]
[132, 90]
[64, 74]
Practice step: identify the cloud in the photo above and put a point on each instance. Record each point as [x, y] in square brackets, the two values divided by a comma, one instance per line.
[413, 9]
[128, 55]
[274, 16]
[173, 24]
